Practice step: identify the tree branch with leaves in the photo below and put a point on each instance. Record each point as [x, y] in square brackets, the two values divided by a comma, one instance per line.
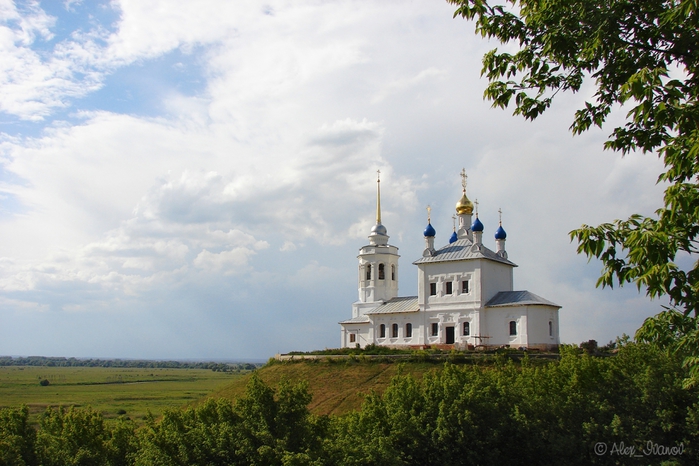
[643, 55]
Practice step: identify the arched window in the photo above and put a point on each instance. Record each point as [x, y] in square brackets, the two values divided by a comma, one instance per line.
[381, 272]
[513, 327]
[382, 331]
[467, 329]
[408, 330]
[368, 272]
[394, 331]
[550, 328]
[393, 272]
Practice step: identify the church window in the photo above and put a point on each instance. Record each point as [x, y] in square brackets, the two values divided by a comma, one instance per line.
[550, 328]
[513, 328]
[464, 287]
[433, 289]
[408, 330]
[435, 329]
[467, 329]
[382, 331]
[448, 287]
[381, 272]
[393, 272]
[368, 272]
[353, 337]
[394, 331]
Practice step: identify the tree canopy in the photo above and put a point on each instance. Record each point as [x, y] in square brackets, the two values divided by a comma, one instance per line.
[503, 412]
[642, 56]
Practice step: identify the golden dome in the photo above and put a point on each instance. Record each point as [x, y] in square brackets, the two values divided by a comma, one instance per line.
[464, 206]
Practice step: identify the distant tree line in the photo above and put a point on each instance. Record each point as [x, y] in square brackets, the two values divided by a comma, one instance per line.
[578, 410]
[134, 363]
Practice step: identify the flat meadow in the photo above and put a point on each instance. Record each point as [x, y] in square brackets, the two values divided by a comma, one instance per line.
[130, 392]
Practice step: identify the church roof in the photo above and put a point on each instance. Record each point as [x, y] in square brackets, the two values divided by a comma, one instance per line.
[356, 320]
[460, 250]
[395, 305]
[518, 298]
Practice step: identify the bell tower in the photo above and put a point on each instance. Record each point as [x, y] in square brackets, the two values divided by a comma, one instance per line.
[378, 265]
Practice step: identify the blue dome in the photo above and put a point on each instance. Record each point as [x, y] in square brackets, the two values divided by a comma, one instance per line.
[477, 225]
[429, 230]
[500, 233]
[453, 238]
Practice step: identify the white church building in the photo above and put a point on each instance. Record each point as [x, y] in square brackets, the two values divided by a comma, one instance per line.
[465, 294]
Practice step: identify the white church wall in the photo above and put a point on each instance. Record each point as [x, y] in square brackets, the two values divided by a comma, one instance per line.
[498, 327]
[355, 334]
[401, 320]
[495, 277]
[539, 318]
[445, 275]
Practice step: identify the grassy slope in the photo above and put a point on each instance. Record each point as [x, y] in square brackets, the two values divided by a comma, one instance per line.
[337, 388]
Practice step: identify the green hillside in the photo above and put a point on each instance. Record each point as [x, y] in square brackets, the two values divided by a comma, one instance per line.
[337, 387]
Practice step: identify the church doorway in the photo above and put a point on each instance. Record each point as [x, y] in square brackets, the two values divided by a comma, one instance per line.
[450, 335]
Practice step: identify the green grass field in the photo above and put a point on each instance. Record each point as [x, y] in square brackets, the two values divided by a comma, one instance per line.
[108, 390]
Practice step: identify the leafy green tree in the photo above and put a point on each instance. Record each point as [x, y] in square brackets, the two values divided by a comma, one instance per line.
[79, 437]
[643, 54]
[525, 414]
[265, 427]
[71, 437]
[16, 437]
[205, 435]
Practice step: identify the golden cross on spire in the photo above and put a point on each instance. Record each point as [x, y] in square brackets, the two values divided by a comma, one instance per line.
[453, 221]
[500, 213]
[476, 203]
[429, 212]
[464, 177]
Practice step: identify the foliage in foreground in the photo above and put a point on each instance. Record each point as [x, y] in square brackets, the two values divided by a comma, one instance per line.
[641, 54]
[505, 413]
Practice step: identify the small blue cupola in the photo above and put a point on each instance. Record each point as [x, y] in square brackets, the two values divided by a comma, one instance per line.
[477, 225]
[500, 233]
[453, 237]
[429, 230]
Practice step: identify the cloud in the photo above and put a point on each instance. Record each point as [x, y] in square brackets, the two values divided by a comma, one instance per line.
[407, 83]
[229, 213]
[228, 262]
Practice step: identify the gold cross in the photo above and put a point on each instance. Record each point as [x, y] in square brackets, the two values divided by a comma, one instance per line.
[429, 211]
[464, 177]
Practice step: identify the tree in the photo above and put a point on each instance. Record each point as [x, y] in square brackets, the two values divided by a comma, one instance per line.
[17, 437]
[643, 54]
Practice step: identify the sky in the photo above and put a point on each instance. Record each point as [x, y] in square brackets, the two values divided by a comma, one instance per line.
[194, 179]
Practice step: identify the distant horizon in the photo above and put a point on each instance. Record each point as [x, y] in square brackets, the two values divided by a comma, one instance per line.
[81, 358]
